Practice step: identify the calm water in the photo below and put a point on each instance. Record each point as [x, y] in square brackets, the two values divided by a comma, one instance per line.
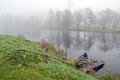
[100, 46]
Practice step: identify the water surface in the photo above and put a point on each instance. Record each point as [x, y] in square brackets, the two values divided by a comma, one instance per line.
[100, 46]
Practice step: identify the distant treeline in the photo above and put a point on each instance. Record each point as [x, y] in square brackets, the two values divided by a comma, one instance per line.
[63, 19]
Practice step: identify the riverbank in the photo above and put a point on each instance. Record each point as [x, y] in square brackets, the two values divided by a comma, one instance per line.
[30, 66]
[87, 29]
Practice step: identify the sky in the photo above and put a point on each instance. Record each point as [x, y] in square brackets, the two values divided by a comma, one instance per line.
[23, 6]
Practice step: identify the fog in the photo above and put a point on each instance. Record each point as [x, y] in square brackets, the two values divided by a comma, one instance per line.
[67, 24]
[32, 6]
[28, 13]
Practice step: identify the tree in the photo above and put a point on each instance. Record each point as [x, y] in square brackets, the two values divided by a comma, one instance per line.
[78, 19]
[115, 20]
[58, 19]
[105, 16]
[50, 22]
[66, 19]
[66, 24]
[89, 17]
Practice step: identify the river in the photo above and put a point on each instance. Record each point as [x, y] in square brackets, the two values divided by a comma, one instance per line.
[98, 45]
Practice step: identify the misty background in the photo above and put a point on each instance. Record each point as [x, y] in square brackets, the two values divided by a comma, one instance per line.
[68, 24]
[38, 14]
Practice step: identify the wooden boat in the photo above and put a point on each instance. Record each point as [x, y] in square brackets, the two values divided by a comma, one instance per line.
[88, 67]
[93, 66]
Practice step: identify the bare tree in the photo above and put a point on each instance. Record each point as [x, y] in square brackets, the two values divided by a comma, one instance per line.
[58, 20]
[50, 22]
[115, 20]
[66, 23]
[89, 17]
[66, 19]
[78, 19]
[105, 16]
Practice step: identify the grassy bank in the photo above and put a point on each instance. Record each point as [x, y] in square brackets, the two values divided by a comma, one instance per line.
[35, 67]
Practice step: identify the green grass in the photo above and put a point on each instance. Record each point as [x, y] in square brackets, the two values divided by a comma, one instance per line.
[36, 69]
[109, 76]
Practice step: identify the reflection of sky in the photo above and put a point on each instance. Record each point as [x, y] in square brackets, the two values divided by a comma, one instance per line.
[111, 56]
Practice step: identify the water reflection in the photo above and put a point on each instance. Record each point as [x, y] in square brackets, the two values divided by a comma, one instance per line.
[101, 46]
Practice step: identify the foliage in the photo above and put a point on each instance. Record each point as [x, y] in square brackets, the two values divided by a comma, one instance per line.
[110, 76]
[62, 72]
[36, 69]
[50, 48]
